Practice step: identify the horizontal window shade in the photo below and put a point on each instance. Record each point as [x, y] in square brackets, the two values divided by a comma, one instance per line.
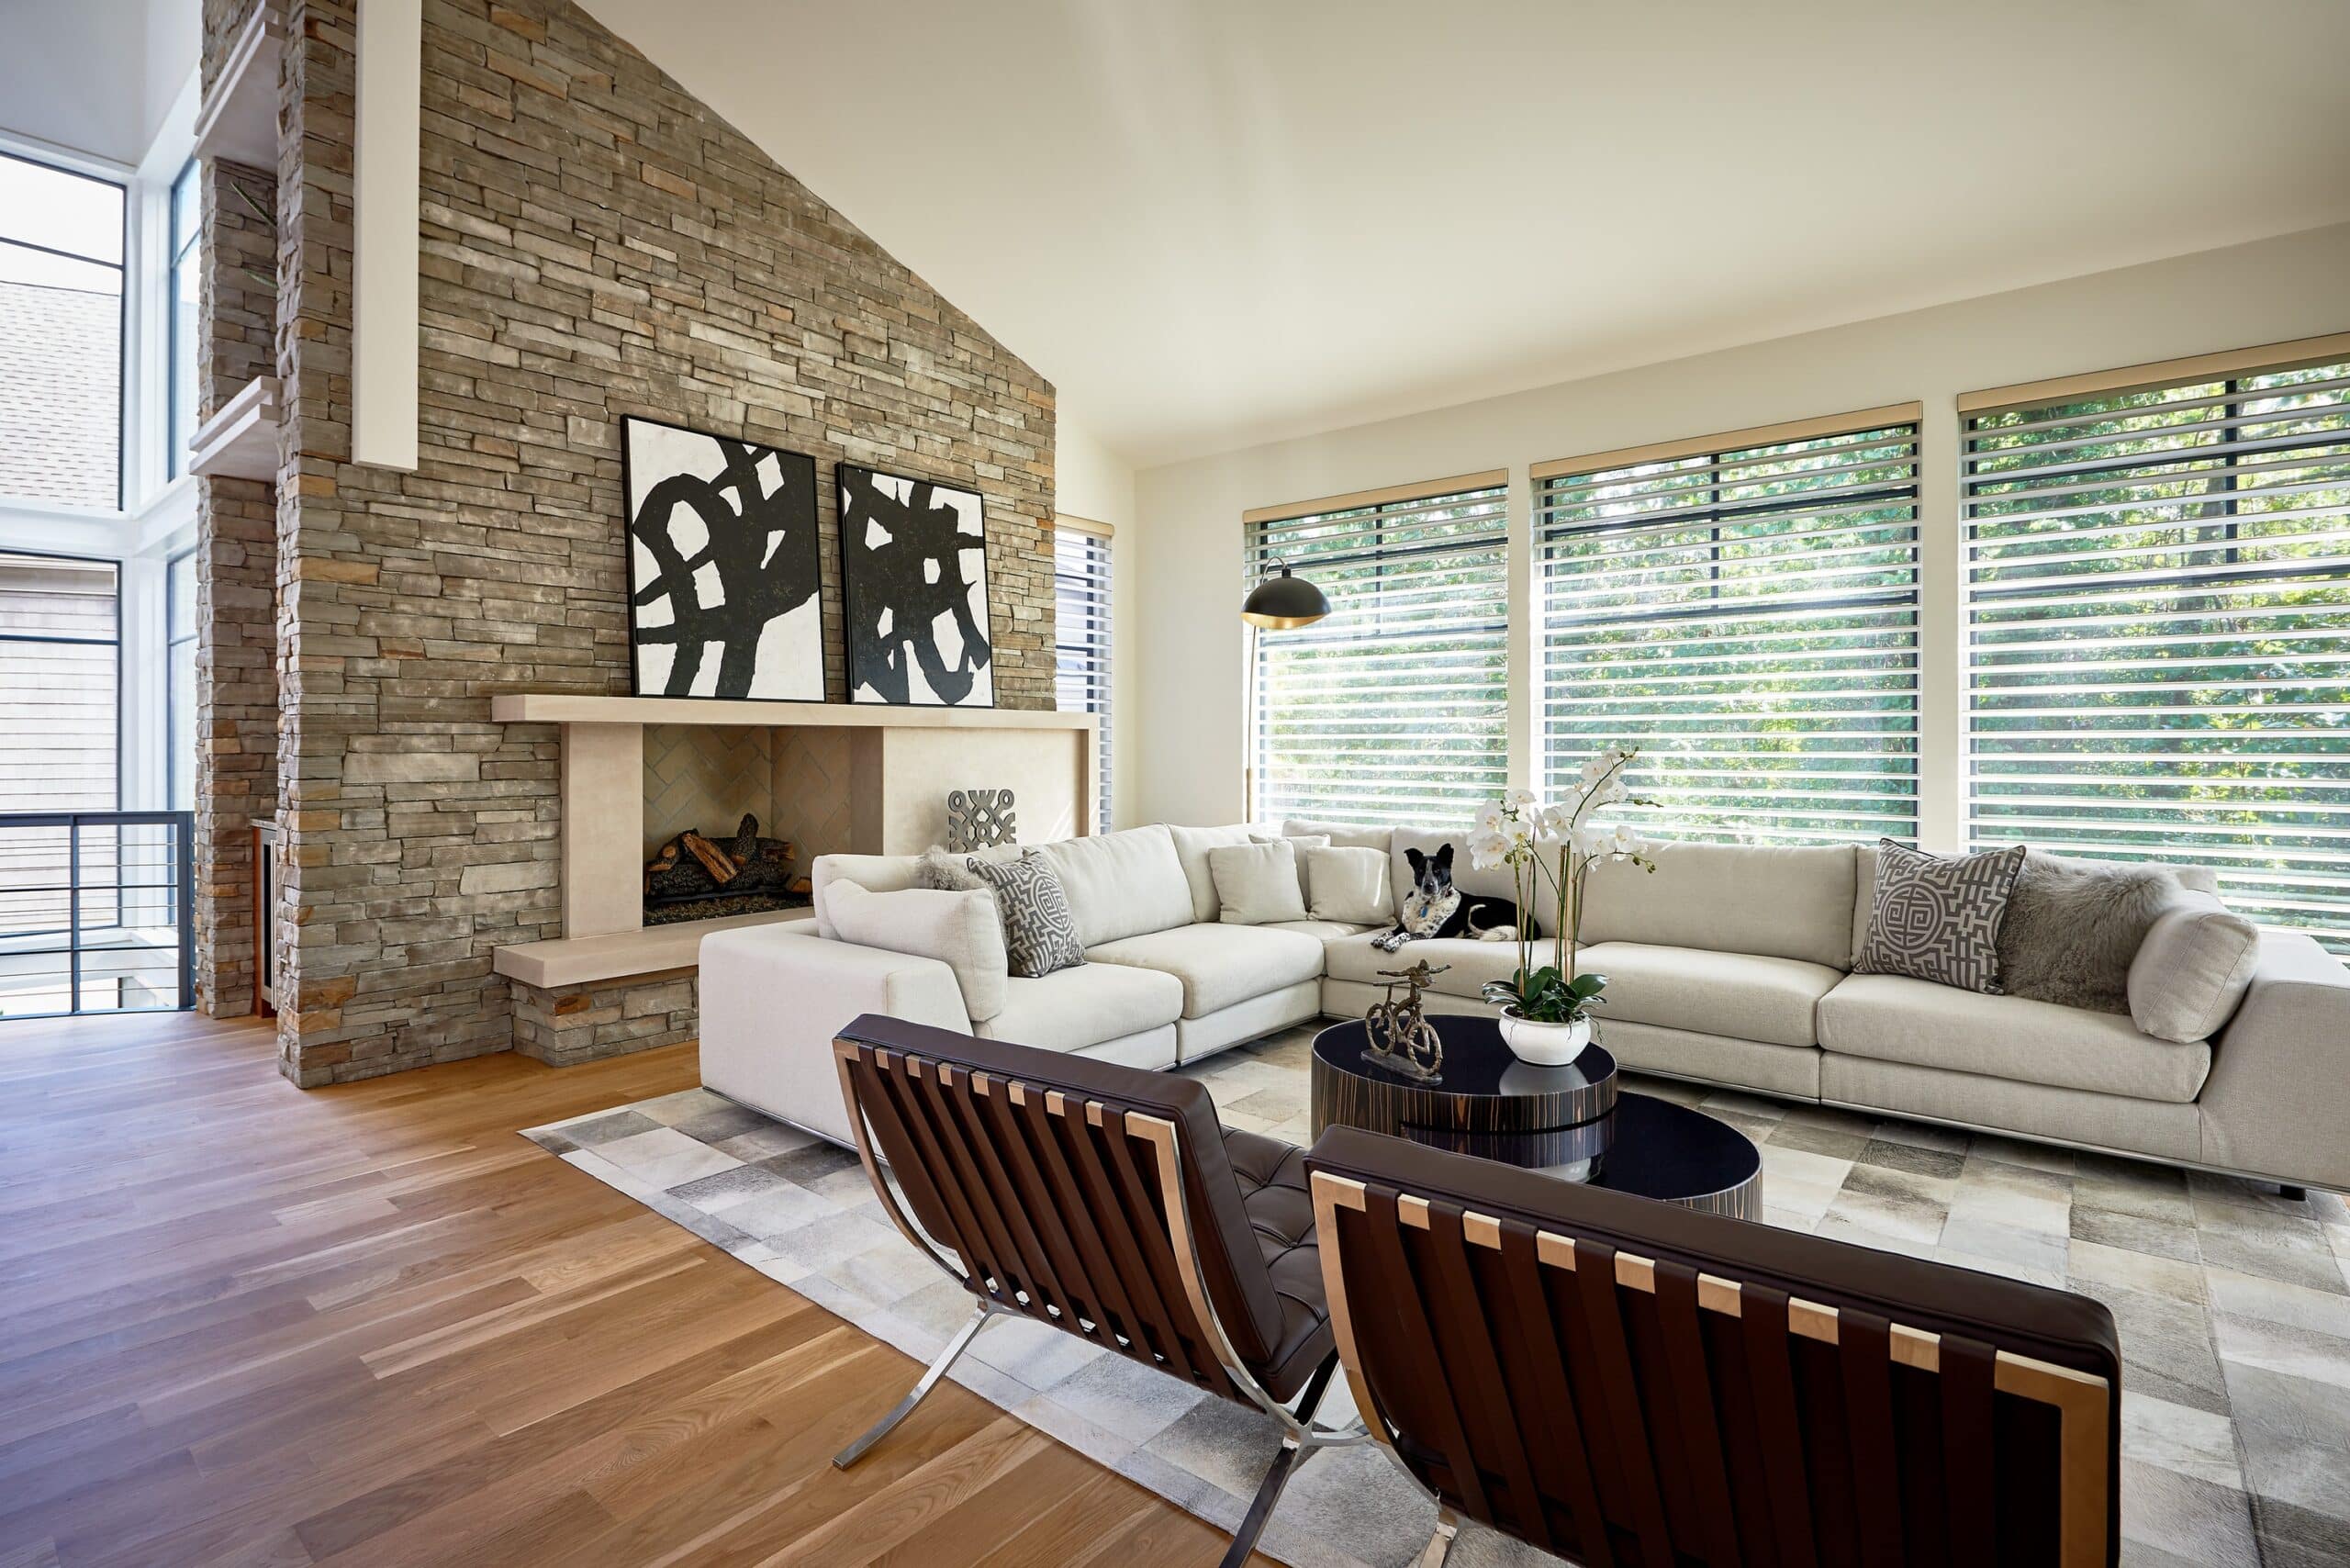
[2158, 633]
[1749, 619]
[1081, 642]
[1394, 709]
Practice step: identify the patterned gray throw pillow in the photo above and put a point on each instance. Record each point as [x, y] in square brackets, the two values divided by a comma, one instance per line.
[1040, 932]
[1938, 920]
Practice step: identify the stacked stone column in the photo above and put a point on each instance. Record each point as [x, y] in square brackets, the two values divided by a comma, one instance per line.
[236, 568]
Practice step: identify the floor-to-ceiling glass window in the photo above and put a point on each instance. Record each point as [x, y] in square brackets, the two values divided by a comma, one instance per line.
[187, 232]
[61, 336]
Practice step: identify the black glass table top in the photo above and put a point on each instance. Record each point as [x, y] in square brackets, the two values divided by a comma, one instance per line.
[1476, 1063]
[1655, 1148]
[1671, 1152]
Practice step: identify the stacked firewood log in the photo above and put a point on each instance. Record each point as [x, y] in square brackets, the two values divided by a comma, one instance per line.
[691, 866]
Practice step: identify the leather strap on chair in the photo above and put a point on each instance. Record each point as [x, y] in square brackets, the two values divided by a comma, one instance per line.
[1637, 1496]
[1418, 1338]
[1969, 1444]
[1693, 1399]
[1564, 1461]
[1477, 1386]
[1864, 1351]
[1763, 1316]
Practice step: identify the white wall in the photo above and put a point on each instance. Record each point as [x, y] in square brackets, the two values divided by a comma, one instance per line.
[1092, 481]
[1183, 731]
[94, 76]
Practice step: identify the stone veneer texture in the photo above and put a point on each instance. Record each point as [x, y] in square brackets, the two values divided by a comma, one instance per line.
[236, 568]
[596, 243]
[569, 1024]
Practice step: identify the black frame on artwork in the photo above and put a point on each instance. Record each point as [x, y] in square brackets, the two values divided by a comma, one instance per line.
[628, 551]
[848, 583]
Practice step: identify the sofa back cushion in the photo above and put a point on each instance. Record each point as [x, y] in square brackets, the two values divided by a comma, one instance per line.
[958, 929]
[1191, 846]
[1257, 883]
[1784, 902]
[1377, 838]
[1122, 884]
[1349, 885]
[1493, 884]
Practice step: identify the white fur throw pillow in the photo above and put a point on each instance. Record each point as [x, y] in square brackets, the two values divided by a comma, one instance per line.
[958, 929]
[947, 873]
[1351, 885]
[1256, 884]
[2075, 926]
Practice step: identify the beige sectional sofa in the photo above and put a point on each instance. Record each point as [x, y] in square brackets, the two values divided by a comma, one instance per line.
[1729, 965]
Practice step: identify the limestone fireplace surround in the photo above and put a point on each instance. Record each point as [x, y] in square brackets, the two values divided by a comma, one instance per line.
[611, 983]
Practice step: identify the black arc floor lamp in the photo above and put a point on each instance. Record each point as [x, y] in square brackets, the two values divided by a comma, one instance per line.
[1283, 601]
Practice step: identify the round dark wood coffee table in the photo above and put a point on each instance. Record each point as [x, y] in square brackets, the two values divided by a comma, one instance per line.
[1570, 1121]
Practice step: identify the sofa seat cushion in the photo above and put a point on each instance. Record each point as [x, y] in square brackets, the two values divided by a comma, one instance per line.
[1280, 1205]
[1740, 996]
[1219, 965]
[1893, 1018]
[1071, 1009]
[1473, 962]
[1321, 930]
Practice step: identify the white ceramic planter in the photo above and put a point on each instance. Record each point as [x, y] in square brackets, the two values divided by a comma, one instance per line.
[1544, 1044]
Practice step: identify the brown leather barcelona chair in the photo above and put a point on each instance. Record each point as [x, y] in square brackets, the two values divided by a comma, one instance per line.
[1627, 1382]
[1109, 1203]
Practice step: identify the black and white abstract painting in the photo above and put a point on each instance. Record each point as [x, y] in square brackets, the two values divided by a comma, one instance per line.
[723, 566]
[915, 591]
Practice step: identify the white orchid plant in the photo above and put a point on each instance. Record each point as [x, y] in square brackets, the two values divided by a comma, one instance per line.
[1558, 844]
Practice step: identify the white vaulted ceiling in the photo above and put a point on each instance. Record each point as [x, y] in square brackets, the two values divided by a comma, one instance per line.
[1214, 222]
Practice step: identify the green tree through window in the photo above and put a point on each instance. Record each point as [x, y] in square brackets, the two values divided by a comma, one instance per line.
[2158, 633]
[1395, 709]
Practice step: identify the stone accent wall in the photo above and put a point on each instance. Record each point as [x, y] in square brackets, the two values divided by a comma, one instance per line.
[596, 243]
[236, 568]
[574, 1023]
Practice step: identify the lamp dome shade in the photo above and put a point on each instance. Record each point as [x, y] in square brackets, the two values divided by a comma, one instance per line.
[1283, 603]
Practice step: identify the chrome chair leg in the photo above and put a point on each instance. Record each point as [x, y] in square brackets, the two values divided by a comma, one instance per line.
[1447, 1525]
[1293, 1453]
[930, 1377]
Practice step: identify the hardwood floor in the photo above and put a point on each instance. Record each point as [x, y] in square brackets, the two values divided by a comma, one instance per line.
[244, 1324]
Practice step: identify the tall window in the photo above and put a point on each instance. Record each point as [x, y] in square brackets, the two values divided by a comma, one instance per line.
[1081, 641]
[2158, 631]
[179, 674]
[58, 704]
[61, 336]
[1394, 709]
[57, 754]
[1745, 609]
[187, 232]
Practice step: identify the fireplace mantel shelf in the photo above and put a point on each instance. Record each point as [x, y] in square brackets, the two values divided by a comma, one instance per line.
[574, 707]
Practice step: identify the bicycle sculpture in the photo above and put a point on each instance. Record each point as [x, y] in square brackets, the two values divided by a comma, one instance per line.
[1402, 1039]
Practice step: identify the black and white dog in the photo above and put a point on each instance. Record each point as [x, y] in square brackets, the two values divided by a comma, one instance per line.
[1436, 908]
